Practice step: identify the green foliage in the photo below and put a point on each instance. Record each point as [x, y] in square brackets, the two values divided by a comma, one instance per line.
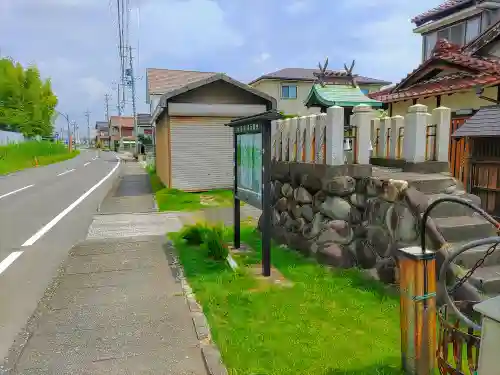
[145, 139]
[381, 113]
[19, 156]
[27, 102]
[194, 234]
[288, 116]
[214, 243]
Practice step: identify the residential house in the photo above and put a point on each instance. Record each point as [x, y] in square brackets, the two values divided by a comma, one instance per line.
[102, 133]
[451, 70]
[144, 125]
[122, 131]
[193, 145]
[291, 88]
[460, 68]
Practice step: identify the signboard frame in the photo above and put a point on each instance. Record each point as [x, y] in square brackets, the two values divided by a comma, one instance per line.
[258, 126]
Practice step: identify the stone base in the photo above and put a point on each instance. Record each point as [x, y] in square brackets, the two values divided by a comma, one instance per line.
[390, 163]
[427, 167]
[276, 277]
[292, 171]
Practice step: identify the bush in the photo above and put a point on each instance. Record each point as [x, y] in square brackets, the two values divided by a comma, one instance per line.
[194, 234]
[214, 243]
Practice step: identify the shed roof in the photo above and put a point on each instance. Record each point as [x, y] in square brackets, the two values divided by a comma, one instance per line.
[485, 123]
[161, 81]
[205, 81]
[341, 95]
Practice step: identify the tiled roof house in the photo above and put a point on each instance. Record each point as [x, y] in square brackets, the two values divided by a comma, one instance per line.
[461, 52]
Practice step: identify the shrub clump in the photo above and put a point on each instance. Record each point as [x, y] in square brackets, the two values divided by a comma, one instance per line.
[194, 234]
[214, 243]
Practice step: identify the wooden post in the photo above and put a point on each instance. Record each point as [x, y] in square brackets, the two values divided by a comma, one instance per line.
[417, 279]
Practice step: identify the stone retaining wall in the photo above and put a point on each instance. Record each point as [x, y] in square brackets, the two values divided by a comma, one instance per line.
[345, 218]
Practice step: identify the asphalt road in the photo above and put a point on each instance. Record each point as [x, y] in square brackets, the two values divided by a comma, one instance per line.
[43, 212]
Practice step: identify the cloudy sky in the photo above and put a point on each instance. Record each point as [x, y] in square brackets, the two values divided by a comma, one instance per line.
[74, 42]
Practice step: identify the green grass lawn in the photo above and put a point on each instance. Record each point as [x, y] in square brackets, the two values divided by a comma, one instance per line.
[328, 323]
[178, 200]
[15, 157]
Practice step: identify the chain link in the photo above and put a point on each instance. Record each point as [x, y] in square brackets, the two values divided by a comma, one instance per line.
[469, 273]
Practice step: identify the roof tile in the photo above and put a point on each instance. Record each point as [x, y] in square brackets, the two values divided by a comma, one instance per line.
[481, 70]
[161, 81]
[440, 8]
[123, 121]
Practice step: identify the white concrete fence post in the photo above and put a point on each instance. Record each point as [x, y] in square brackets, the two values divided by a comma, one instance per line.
[363, 116]
[397, 122]
[310, 125]
[275, 138]
[292, 140]
[442, 118]
[285, 132]
[374, 125]
[415, 133]
[301, 141]
[319, 129]
[384, 125]
[335, 135]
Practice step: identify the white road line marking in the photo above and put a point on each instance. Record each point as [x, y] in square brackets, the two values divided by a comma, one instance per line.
[9, 260]
[87, 163]
[16, 191]
[68, 171]
[68, 209]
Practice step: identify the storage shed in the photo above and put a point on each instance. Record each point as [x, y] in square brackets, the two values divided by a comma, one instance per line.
[194, 148]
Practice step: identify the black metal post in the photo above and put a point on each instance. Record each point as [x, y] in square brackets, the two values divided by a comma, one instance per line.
[266, 198]
[236, 216]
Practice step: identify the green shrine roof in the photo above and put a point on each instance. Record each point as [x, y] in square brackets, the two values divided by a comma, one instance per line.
[341, 95]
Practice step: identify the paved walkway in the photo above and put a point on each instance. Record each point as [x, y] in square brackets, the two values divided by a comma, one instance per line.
[116, 306]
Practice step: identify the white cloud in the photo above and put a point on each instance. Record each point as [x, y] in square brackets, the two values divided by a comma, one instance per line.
[93, 87]
[186, 29]
[298, 6]
[388, 48]
[264, 56]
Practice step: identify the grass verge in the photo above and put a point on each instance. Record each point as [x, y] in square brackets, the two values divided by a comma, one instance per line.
[328, 323]
[178, 200]
[15, 157]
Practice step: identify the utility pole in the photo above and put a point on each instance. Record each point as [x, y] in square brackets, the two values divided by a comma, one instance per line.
[87, 115]
[106, 103]
[132, 85]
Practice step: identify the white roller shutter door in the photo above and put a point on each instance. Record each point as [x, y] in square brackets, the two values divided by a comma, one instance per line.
[202, 153]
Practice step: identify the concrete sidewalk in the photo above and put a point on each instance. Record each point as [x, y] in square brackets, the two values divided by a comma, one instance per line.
[116, 306]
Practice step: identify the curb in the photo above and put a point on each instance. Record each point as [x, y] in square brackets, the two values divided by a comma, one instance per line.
[209, 351]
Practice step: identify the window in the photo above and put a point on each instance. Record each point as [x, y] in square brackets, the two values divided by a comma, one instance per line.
[443, 34]
[457, 34]
[460, 34]
[429, 44]
[365, 91]
[472, 29]
[488, 19]
[289, 91]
